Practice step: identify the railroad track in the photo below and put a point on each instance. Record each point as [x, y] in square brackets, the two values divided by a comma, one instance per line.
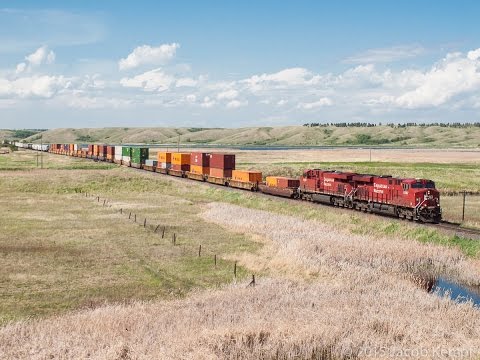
[458, 229]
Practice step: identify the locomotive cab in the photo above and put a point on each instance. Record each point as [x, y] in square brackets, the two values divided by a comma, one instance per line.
[425, 199]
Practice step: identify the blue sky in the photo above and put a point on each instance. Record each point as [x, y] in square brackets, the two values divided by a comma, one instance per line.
[243, 63]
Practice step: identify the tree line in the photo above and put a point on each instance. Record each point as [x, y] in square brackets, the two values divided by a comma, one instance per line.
[393, 125]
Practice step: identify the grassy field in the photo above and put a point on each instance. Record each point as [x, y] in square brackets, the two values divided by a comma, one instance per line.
[61, 250]
[330, 281]
[431, 137]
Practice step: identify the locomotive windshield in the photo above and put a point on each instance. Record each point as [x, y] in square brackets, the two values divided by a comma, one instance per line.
[419, 185]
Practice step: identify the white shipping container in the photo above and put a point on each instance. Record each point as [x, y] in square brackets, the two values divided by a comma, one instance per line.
[75, 147]
[118, 151]
[151, 162]
[126, 158]
[165, 165]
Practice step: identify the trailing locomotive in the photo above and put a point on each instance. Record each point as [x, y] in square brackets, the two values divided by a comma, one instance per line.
[412, 199]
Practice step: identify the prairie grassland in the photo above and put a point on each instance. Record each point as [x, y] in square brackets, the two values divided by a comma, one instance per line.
[353, 305]
[27, 159]
[452, 207]
[62, 251]
[331, 283]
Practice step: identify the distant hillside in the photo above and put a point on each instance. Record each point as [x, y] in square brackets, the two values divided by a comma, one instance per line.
[431, 136]
[19, 134]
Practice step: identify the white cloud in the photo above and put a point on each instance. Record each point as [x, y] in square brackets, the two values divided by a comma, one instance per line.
[20, 68]
[41, 56]
[291, 77]
[324, 101]
[33, 86]
[149, 81]
[191, 98]
[389, 54]
[236, 104]
[148, 55]
[207, 102]
[454, 75]
[474, 54]
[282, 102]
[228, 94]
[186, 82]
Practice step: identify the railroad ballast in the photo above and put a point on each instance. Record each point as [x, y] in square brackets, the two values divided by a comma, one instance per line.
[407, 198]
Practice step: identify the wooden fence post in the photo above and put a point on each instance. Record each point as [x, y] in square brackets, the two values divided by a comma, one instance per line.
[215, 260]
[200, 250]
[145, 223]
[163, 232]
[235, 270]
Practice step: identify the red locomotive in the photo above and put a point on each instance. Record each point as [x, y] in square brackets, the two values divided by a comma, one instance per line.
[413, 199]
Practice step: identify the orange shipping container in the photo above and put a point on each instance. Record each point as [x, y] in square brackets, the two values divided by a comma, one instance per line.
[271, 180]
[220, 173]
[95, 150]
[181, 158]
[196, 169]
[164, 157]
[247, 176]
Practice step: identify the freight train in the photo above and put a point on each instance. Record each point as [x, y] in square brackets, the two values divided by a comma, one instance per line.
[406, 198]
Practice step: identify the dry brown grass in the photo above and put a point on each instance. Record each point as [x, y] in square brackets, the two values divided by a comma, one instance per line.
[359, 315]
[357, 304]
[322, 291]
[320, 249]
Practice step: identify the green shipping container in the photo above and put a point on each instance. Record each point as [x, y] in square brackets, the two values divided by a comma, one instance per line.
[126, 151]
[139, 155]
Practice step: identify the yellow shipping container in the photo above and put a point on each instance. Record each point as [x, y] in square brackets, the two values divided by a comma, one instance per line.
[181, 158]
[272, 180]
[164, 157]
[246, 176]
[196, 169]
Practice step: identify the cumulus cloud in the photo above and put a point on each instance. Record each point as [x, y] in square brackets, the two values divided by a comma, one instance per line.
[42, 86]
[148, 55]
[39, 57]
[456, 74]
[207, 102]
[191, 98]
[324, 101]
[291, 77]
[153, 80]
[236, 104]
[186, 82]
[228, 94]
